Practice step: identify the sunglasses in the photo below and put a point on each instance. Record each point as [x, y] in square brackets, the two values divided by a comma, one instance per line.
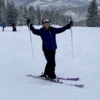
[46, 20]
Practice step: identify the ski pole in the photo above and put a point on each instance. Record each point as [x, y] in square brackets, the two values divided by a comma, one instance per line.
[71, 37]
[28, 23]
[31, 43]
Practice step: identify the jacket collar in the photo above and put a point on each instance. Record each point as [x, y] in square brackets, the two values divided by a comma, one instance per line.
[47, 29]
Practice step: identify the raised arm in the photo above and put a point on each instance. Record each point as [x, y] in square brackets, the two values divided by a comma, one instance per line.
[60, 30]
[35, 31]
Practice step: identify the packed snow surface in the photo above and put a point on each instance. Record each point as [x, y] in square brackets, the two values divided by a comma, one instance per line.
[16, 61]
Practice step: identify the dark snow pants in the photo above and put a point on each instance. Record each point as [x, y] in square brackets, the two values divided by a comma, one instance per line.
[50, 66]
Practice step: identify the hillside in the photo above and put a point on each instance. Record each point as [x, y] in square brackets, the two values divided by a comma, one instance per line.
[55, 4]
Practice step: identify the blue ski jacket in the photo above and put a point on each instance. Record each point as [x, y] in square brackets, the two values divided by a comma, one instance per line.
[3, 25]
[48, 36]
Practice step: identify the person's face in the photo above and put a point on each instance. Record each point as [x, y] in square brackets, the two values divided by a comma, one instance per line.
[46, 25]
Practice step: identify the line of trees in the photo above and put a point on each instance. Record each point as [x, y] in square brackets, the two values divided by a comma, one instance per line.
[10, 14]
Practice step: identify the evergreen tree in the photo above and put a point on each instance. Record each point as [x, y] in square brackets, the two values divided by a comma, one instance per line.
[25, 15]
[39, 16]
[31, 14]
[92, 15]
[46, 15]
[20, 17]
[2, 11]
[52, 17]
[12, 13]
[57, 18]
[99, 21]
[42, 15]
[63, 20]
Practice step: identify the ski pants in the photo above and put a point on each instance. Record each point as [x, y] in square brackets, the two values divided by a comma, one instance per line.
[50, 66]
[3, 29]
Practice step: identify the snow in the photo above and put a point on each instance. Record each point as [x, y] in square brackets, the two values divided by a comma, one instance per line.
[36, 3]
[54, 4]
[16, 61]
[98, 7]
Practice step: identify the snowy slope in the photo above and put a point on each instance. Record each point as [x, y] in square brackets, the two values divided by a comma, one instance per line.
[55, 4]
[99, 8]
[16, 61]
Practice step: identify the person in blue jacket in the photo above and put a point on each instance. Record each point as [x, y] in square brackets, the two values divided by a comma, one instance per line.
[3, 26]
[49, 45]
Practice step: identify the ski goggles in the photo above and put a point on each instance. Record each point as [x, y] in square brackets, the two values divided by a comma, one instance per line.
[45, 21]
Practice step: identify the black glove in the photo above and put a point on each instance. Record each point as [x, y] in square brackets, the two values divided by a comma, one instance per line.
[70, 25]
[28, 22]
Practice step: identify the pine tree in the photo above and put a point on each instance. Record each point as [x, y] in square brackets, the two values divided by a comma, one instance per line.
[20, 17]
[2, 11]
[31, 14]
[25, 15]
[42, 15]
[57, 18]
[92, 15]
[52, 17]
[46, 15]
[99, 21]
[12, 13]
[39, 16]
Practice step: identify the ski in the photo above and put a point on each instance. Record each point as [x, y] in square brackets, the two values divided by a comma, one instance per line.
[56, 81]
[70, 79]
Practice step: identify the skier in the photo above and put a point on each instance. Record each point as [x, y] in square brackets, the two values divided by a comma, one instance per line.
[49, 46]
[14, 27]
[3, 26]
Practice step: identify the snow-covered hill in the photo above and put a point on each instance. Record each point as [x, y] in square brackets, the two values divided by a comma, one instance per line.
[75, 8]
[53, 4]
[59, 4]
[78, 13]
[16, 61]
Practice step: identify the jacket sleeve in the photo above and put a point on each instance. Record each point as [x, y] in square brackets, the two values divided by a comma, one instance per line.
[35, 31]
[60, 30]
